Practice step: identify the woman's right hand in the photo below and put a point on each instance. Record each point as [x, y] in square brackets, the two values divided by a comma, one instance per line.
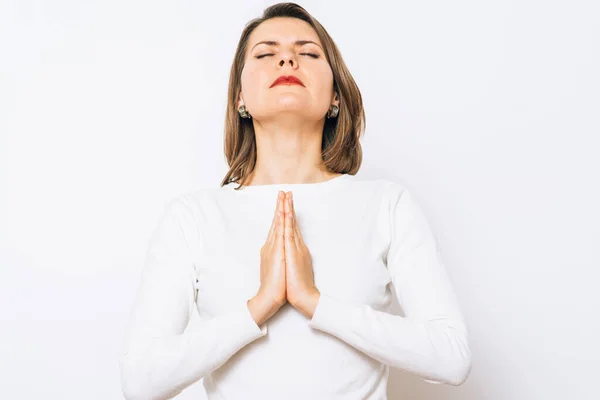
[272, 292]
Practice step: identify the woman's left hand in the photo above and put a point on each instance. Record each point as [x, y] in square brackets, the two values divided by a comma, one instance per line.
[301, 291]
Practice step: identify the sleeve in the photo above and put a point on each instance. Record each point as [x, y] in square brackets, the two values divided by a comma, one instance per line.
[431, 340]
[161, 352]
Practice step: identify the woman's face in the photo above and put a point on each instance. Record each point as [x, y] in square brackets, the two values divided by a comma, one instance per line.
[265, 62]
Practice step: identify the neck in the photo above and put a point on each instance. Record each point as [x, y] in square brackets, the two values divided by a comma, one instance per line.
[288, 152]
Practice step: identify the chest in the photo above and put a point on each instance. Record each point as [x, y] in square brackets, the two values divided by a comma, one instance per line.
[346, 248]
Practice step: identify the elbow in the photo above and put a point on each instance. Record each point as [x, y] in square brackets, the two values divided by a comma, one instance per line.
[133, 387]
[460, 371]
[129, 393]
[131, 390]
[454, 373]
[462, 360]
[131, 383]
[455, 360]
[135, 384]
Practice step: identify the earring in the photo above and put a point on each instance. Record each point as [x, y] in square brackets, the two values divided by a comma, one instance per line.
[243, 112]
[333, 111]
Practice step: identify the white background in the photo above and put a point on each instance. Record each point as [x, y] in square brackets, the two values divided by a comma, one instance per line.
[487, 110]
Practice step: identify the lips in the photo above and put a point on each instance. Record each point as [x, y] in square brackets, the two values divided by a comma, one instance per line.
[287, 80]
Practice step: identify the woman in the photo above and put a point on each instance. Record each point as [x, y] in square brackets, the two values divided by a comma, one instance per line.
[291, 271]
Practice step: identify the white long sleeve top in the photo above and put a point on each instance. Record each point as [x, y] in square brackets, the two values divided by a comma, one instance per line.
[368, 240]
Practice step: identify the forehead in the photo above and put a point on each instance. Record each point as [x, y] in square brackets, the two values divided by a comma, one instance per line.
[283, 30]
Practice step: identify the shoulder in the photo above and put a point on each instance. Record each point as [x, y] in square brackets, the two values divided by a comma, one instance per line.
[397, 197]
[194, 200]
[184, 217]
[395, 188]
[196, 204]
[392, 190]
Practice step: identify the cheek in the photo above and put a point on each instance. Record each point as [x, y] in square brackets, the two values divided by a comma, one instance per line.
[253, 79]
[248, 78]
[324, 83]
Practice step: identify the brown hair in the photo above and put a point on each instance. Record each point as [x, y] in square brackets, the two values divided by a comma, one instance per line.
[341, 149]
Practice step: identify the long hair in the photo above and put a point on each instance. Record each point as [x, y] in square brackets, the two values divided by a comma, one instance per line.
[341, 150]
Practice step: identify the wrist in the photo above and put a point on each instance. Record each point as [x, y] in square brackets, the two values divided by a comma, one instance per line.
[262, 308]
[308, 303]
[258, 310]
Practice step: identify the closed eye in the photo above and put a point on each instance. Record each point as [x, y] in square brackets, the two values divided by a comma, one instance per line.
[304, 54]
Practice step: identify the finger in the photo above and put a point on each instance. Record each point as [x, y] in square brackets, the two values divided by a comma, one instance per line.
[289, 233]
[276, 216]
[293, 217]
[274, 222]
[295, 227]
[279, 228]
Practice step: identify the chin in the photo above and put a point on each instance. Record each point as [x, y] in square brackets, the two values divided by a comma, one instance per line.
[287, 113]
[291, 107]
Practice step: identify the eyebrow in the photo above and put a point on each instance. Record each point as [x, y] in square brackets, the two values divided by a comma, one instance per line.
[296, 43]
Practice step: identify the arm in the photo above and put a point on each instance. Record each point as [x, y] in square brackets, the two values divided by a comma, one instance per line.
[161, 353]
[431, 340]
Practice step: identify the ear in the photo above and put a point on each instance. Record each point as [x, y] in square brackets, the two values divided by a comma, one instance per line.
[336, 99]
[240, 100]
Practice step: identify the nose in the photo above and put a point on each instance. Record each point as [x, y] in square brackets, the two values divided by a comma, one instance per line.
[285, 59]
[282, 62]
